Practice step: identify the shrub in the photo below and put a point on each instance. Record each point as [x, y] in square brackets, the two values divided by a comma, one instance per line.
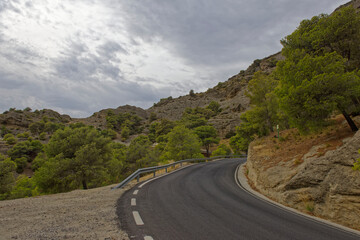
[24, 187]
[10, 139]
[42, 136]
[20, 164]
[221, 150]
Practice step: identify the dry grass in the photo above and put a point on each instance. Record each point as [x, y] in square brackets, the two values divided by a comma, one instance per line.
[292, 146]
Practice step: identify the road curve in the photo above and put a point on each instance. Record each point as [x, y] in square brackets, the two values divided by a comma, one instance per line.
[204, 202]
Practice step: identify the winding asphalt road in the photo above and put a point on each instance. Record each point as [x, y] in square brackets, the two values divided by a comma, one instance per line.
[203, 201]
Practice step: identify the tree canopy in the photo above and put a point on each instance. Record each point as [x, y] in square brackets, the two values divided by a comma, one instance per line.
[208, 136]
[182, 143]
[75, 157]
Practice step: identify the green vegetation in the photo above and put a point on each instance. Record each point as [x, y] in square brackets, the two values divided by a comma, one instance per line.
[121, 121]
[208, 136]
[74, 157]
[10, 139]
[319, 77]
[7, 179]
[261, 119]
[221, 150]
[159, 129]
[182, 143]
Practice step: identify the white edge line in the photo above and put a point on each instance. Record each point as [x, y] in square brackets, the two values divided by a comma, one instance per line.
[137, 218]
[148, 238]
[242, 182]
[133, 202]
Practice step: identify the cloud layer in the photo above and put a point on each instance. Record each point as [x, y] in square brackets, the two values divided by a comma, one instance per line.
[78, 57]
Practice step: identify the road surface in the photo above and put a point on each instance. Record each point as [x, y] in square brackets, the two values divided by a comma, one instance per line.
[203, 201]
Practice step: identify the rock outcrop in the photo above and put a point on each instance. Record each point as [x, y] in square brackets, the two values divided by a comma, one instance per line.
[324, 186]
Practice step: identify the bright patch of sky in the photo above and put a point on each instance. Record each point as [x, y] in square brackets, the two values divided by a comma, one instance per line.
[78, 57]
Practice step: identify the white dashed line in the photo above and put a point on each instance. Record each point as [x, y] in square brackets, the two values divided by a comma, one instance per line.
[137, 218]
[135, 192]
[148, 238]
[133, 202]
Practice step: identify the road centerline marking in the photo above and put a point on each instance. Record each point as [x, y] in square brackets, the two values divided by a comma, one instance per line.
[137, 218]
[148, 238]
[135, 192]
[133, 202]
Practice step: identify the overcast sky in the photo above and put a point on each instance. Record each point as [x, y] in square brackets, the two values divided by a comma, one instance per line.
[78, 57]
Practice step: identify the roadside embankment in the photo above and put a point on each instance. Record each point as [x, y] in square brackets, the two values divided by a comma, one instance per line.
[80, 214]
[312, 174]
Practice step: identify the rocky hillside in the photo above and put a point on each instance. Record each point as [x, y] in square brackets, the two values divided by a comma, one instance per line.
[23, 118]
[310, 173]
[229, 94]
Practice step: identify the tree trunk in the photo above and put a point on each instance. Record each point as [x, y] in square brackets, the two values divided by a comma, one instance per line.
[84, 184]
[351, 123]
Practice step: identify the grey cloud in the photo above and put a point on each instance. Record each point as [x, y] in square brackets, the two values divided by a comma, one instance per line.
[210, 32]
[215, 37]
[80, 64]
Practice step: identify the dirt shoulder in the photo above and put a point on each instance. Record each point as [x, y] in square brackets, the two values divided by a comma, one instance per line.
[80, 214]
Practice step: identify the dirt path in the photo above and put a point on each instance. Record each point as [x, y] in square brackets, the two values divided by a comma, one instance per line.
[80, 214]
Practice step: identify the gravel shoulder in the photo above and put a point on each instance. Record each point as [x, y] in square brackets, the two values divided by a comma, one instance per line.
[80, 214]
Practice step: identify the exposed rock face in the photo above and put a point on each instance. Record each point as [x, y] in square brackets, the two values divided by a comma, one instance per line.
[326, 186]
[229, 94]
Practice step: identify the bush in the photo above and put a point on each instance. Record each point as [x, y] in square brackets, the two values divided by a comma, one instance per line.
[23, 135]
[10, 139]
[24, 187]
[28, 149]
[20, 164]
[42, 136]
[221, 150]
[7, 179]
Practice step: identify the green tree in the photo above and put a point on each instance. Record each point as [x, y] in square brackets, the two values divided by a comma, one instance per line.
[182, 144]
[221, 150]
[125, 133]
[24, 187]
[338, 32]
[250, 127]
[262, 97]
[27, 149]
[75, 157]
[138, 151]
[215, 107]
[208, 136]
[117, 165]
[195, 117]
[10, 139]
[160, 128]
[312, 88]
[20, 164]
[7, 179]
[37, 127]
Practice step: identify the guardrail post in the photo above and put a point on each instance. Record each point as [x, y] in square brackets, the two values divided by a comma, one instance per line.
[154, 173]
[181, 164]
[138, 178]
[166, 170]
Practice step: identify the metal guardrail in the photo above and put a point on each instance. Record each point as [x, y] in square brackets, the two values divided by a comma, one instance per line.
[140, 171]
